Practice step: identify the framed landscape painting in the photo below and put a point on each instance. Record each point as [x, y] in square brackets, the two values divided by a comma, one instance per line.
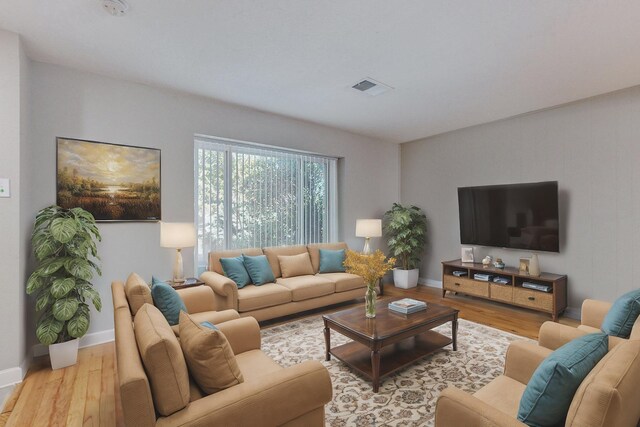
[113, 182]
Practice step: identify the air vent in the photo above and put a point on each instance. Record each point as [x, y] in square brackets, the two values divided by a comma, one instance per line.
[115, 7]
[371, 87]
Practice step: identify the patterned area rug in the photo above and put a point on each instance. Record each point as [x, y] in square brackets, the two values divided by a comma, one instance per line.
[406, 398]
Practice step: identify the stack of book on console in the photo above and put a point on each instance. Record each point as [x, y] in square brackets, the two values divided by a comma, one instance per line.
[407, 306]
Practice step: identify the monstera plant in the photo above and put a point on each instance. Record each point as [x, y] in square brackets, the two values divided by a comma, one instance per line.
[64, 243]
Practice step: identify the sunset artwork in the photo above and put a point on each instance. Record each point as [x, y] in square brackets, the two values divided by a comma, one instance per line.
[113, 182]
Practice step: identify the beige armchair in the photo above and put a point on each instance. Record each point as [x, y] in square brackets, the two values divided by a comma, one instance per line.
[607, 397]
[554, 335]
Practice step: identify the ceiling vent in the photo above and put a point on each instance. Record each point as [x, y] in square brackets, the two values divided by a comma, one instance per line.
[371, 87]
[115, 7]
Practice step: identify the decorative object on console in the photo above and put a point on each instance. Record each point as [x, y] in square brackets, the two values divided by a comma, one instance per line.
[177, 235]
[371, 267]
[368, 228]
[524, 266]
[467, 255]
[486, 261]
[499, 263]
[406, 230]
[64, 243]
[113, 182]
[534, 266]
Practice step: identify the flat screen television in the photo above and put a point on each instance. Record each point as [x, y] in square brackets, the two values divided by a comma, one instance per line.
[517, 216]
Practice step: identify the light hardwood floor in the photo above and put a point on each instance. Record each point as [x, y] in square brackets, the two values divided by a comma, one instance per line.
[86, 394]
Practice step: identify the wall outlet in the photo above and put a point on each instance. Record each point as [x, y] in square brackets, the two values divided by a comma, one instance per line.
[5, 187]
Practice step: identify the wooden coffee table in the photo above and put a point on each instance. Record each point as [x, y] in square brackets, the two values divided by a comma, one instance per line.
[390, 341]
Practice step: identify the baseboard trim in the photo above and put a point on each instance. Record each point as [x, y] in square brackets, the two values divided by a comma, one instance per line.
[88, 340]
[430, 282]
[11, 376]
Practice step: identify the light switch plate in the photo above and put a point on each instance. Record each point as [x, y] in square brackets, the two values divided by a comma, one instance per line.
[5, 187]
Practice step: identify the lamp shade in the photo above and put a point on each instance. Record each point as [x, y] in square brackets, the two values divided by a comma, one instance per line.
[368, 228]
[177, 235]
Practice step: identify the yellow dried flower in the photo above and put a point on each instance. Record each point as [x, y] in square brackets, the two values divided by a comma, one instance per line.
[371, 267]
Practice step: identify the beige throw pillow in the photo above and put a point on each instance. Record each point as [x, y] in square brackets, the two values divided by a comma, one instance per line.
[295, 265]
[209, 356]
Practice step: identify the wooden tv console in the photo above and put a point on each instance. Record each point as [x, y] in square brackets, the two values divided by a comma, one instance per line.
[554, 302]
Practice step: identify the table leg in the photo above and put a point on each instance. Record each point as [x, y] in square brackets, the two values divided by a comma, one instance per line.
[375, 369]
[327, 343]
[454, 333]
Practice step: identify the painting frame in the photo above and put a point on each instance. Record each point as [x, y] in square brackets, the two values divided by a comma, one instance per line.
[466, 255]
[148, 209]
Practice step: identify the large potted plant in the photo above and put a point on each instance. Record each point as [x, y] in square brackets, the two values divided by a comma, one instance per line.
[405, 229]
[64, 243]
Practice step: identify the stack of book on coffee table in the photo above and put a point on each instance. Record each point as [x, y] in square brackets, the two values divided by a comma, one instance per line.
[407, 306]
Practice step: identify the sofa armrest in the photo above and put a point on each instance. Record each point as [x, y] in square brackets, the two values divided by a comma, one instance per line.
[456, 408]
[593, 312]
[198, 299]
[270, 400]
[522, 359]
[554, 335]
[243, 334]
[225, 289]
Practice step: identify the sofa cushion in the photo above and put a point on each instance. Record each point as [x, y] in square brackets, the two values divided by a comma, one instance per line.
[254, 364]
[214, 257]
[306, 287]
[344, 281]
[609, 394]
[259, 269]
[503, 393]
[214, 317]
[332, 261]
[622, 315]
[138, 293]
[163, 360]
[546, 400]
[209, 357]
[235, 270]
[167, 300]
[253, 297]
[273, 252]
[295, 265]
[314, 252]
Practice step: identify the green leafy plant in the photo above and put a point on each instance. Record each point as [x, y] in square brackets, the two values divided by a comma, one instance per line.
[405, 229]
[64, 243]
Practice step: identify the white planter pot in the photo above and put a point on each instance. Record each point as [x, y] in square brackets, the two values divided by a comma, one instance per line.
[63, 354]
[405, 279]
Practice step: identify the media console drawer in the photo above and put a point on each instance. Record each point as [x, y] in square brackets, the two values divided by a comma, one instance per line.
[534, 299]
[501, 292]
[467, 286]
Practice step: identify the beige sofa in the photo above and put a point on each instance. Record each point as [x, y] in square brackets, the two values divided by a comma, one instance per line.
[287, 295]
[608, 396]
[269, 396]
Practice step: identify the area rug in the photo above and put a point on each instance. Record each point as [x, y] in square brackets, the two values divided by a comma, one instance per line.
[406, 398]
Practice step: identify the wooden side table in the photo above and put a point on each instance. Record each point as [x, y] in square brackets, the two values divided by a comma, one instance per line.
[185, 284]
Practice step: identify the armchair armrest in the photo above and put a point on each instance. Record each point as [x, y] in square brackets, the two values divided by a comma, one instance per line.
[198, 299]
[243, 334]
[522, 360]
[456, 408]
[554, 335]
[593, 312]
[270, 400]
[225, 289]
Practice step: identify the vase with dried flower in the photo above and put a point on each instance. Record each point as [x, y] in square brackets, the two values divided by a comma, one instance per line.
[371, 267]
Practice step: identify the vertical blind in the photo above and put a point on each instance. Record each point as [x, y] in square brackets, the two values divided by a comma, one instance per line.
[254, 196]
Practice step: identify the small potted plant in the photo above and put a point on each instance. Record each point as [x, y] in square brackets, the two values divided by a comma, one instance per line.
[405, 229]
[64, 243]
[371, 267]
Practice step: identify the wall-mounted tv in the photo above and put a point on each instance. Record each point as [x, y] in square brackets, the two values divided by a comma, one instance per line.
[517, 216]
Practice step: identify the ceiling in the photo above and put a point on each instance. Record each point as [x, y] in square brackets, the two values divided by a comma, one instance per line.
[453, 64]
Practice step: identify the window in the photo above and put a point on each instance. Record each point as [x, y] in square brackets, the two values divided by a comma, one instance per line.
[252, 196]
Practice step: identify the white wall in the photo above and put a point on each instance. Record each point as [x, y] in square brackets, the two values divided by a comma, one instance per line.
[75, 104]
[591, 148]
[13, 100]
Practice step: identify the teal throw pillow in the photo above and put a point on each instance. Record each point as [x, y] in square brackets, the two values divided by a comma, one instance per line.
[209, 325]
[332, 261]
[623, 313]
[234, 269]
[167, 300]
[546, 400]
[259, 269]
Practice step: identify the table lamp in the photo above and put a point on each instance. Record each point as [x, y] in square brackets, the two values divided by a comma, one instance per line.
[368, 228]
[177, 235]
